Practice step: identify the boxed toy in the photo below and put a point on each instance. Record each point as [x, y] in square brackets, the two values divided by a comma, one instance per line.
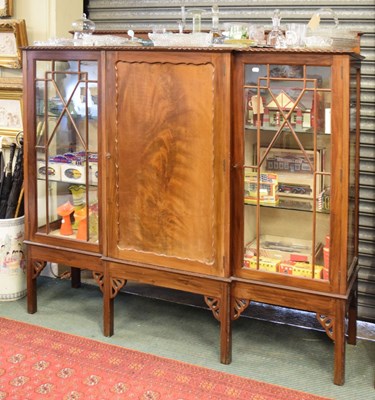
[284, 248]
[267, 189]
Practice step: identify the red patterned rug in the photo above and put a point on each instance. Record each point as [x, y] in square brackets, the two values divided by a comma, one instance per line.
[39, 363]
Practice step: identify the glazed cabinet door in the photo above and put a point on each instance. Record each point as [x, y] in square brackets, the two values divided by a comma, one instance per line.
[62, 148]
[294, 170]
[167, 193]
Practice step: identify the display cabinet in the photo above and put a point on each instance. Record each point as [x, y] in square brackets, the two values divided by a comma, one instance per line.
[62, 164]
[229, 173]
[295, 187]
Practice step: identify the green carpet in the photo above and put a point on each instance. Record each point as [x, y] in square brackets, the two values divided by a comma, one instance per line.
[284, 355]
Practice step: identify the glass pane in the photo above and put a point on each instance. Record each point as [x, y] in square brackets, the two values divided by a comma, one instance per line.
[287, 169]
[67, 162]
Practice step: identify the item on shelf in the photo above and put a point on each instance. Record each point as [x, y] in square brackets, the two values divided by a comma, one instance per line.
[329, 34]
[215, 30]
[64, 211]
[78, 194]
[326, 258]
[265, 263]
[80, 217]
[295, 35]
[324, 199]
[267, 188]
[276, 36]
[283, 248]
[169, 39]
[53, 170]
[82, 26]
[302, 269]
[73, 173]
[294, 169]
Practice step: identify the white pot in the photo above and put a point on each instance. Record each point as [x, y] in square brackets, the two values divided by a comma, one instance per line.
[12, 259]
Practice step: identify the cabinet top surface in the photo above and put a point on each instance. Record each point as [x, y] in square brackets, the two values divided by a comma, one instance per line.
[216, 49]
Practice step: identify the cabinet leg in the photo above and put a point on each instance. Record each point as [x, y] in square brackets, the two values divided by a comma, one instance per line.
[76, 277]
[352, 316]
[108, 320]
[108, 305]
[33, 268]
[226, 328]
[31, 288]
[339, 345]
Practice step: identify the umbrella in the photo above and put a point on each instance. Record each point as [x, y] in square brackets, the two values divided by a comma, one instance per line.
[6, 182]
[17, 183]
[2, 165]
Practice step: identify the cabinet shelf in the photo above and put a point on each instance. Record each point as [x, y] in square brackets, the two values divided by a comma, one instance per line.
[293, 205]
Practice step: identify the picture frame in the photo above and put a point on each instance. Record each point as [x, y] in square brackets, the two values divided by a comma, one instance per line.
[6, 8]
[11, 106]
[13, 36]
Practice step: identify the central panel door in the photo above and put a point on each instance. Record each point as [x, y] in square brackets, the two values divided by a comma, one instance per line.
[167, 146]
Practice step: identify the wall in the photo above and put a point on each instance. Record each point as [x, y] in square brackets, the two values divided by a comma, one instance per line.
[44, 19]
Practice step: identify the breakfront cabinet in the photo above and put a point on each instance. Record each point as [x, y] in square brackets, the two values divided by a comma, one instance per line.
[295, 187]
[232, 174]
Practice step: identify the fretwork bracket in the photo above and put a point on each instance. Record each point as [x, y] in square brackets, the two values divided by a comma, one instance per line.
[116, 285]
[38, 267]
[239, 305]
[214, 305]
[99, 278]
[328, 323]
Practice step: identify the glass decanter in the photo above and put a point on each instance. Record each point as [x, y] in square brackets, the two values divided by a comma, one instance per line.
[276, 37]
[215, 22]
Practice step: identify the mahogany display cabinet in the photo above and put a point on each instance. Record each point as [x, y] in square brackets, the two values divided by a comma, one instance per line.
[228, 173]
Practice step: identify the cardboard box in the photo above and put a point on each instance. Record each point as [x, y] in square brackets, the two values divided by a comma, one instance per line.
[93, 173]
[265, 263]
[267, 190]
[54, 170]
[283, 248]
[73, 173]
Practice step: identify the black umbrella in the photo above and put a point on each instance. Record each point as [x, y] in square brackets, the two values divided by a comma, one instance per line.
[6, 182]
[2, 165]
[17, 184]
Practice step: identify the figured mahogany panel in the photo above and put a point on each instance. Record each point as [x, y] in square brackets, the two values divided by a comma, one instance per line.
[165, 148]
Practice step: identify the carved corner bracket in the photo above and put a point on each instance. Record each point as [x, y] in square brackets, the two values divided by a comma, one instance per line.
[99, 278]
[37, 267]
[214, 304]
[328, 323]
[116, 285]
[239, 305]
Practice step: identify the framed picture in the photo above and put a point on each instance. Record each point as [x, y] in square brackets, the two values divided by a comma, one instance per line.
[13, 36]
[11, 106]
[6, 8]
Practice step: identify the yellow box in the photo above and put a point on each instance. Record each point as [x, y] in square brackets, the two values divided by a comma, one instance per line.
[265, 263]
[267, 188]
[305, 270]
